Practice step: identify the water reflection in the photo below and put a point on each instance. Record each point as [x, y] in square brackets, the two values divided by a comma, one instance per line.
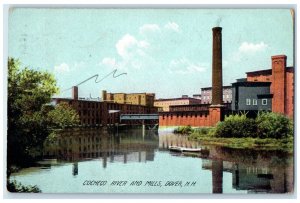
[253, 171]
[123, 147]
[256, 171]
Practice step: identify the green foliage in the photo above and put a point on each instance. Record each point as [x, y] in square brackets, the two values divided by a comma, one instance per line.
[273, 125]
[266, 125]
[63, 115]
[13, 186]
[205, 131]
[184, 130]
[202, 132]
[28, 92]
[29, 115]
[236, 126]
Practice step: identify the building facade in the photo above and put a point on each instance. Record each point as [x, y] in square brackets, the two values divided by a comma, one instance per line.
[164, 104]
[206, 95]
[145, 99]
[251, 96]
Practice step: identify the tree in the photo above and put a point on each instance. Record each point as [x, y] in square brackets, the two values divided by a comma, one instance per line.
[28, 92]
[63, 115]
[30, 117]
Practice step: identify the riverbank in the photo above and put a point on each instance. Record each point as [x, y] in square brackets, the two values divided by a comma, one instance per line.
[268, 131]
[285, 144]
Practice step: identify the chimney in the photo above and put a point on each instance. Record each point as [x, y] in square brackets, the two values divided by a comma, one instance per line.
[278, 87]
[104, 98]
[217, 83]
[75, 92]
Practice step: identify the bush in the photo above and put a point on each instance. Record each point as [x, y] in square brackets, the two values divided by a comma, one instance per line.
[236, 126]
[266, 125]
[184, 130]
[18, 187]
[273, 125]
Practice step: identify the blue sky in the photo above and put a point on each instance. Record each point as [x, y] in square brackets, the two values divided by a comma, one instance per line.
[165, 51]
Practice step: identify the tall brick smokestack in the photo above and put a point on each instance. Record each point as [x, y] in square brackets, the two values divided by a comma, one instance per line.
[217, 81]
[75, 92]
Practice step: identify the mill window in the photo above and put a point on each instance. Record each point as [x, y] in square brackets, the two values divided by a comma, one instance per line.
[254, 102]
[248, 102]
[264, 102]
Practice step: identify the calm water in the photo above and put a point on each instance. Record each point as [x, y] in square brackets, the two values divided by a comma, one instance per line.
[137, 162]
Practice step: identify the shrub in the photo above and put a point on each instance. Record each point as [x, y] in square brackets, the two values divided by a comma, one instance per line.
[273, 125]
[236, 126]
[184, 130]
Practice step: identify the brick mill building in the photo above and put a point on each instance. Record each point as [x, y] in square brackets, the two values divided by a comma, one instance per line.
[144, 99]
[97, 112]
[281, 78]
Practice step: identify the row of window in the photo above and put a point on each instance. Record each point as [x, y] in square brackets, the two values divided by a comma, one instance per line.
[254, 102]
[209, 91]
[90, 121]
[186, 115]
[224, 97]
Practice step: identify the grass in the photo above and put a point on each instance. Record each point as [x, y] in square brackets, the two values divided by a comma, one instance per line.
[285, 144]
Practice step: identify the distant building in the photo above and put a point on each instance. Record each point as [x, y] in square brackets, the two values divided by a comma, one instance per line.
[206, 95]
[197, 96]
[145, 99]
[164, 104]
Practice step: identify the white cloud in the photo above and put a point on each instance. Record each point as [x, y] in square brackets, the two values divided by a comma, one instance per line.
[132, 54]
[185, 66]
[111, 62]
[148, 28]
[245, 50]
[137, 51]
[62, 68]
[247, 47]
[128, 46]
[172, 26]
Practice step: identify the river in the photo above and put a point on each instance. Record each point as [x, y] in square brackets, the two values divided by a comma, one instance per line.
[130, 161]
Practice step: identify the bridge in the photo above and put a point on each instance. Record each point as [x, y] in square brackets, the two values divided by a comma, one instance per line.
[141, 117]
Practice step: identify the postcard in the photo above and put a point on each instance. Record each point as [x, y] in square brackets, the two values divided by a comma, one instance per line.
[150, 101]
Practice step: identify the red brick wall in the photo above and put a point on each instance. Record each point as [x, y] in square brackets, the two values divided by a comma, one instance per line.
[194, 119]
[282, 86]
[278, 87]
[289, 101]
[259, 77]
[215, 115]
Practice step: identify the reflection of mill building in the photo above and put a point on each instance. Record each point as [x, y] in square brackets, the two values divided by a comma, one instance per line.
[166, 140]
[252, 171]
[75, 145]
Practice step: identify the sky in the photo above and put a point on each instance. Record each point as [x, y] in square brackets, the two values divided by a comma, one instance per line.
[163, 51]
